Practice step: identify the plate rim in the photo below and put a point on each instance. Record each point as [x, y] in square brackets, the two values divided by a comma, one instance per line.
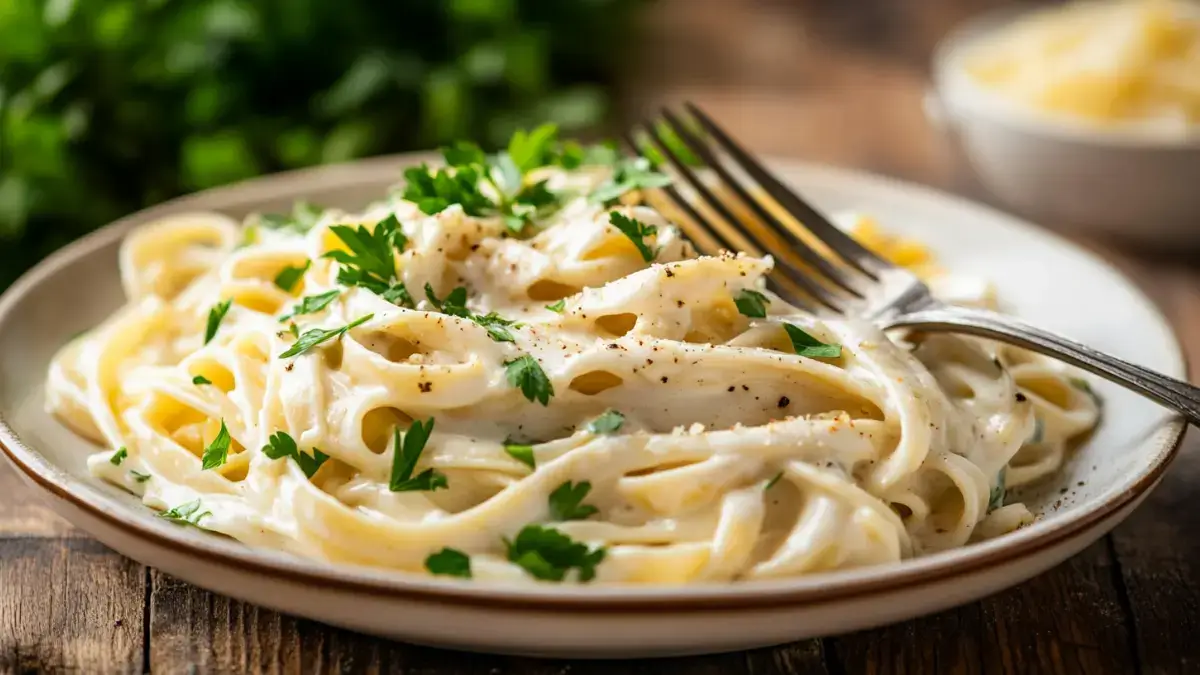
[816, 589]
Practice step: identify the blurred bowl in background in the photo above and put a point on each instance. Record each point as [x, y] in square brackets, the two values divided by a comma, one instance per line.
[1127, 181]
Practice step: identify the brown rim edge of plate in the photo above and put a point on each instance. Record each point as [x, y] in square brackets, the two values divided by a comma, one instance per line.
[453, 594]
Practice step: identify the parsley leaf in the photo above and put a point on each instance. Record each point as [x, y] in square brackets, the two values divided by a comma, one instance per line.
[434, 191]
[118, 456]
[533, 149]
[558, 307]
[311, 304]
[406, 451]
[186, 514]
[547, 554]
[455, 304]
[751, 303]
[636, 230]
[280, 444]
[217, 452]
[807, 345]
[200, 379]
[996, 497]
[449, 562]
[315, 336]
[771, 483]
[371, 261]
[526, 374]
[629, 174]
[139, 476]
[214, 319]
[521, 452]
[607, 423]
[565, 502]
[302, 219]
[289, 276]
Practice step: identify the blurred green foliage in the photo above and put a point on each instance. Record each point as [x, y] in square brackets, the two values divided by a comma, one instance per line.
[107, 106]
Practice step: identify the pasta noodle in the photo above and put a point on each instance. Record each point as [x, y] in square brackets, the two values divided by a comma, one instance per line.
[711, 450]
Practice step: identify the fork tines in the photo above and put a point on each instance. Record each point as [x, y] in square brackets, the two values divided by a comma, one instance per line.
[749, 211]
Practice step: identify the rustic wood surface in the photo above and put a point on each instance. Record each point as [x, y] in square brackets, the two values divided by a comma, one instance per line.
[837, 82]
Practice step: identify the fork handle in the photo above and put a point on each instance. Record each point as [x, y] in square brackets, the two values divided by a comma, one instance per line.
[1175, 394]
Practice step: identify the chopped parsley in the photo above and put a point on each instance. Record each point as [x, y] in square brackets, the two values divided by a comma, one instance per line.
[217, 452]
[526, 374]
[996, 498]
[629, 174]
[521, 452]
[807, 345]
[118, 456]
[566, 502]
[315, 336]
[771, 483]
[455, 304]
[637, 231]
[529, 150]
[406, 451]
[289, 276]
[139, 476]
[311, 304]
[558, 307]
[200, 379]
[280, 444]
[371, 261]
[186, 514]
[302, 218]
[449, 562]
[215, 315]
[607, 423]
[751, 303]
[547, 554]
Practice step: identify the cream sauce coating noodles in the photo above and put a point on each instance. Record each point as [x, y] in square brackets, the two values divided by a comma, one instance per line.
[737, 458]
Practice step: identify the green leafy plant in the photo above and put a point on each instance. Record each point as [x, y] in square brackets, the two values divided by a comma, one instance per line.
[107, 106]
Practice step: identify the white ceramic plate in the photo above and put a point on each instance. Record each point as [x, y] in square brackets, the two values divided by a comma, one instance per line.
[1041, 277]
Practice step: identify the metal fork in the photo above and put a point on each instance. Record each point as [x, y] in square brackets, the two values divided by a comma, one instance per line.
[831, 272]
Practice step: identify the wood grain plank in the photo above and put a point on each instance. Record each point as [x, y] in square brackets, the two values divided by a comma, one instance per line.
[1068, 620]
[69, 604]
[22, 512]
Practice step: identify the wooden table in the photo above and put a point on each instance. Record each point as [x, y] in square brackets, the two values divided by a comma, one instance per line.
[838, 82]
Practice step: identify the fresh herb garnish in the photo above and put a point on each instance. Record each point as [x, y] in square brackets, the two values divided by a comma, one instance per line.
[215, 315]
[200, 379]
[311, 304]
[566, 502]
[807, 345]
[526, 374]
[407, 449]
[302, 219]
[521, 452]
[449, 562]
[315, 336]
[608, 422]
[771, 483]
[371, 261]
[217, 452]
[289, 276]
[629, 174]
[996, 498]
[280, 444]
[547, 554]
[455, 304]
[636, 230]
[139, 476]
[118, 456]
[530, 150]
[751, 303]
[186, 514]
[558, 307]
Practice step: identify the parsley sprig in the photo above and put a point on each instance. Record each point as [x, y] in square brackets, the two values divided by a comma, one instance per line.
[637, 231]
[807, 345]
[629, 174]
[522, 452]
[526, 374]
[311, 304]
[407, 449]
[566, 502]
[371, 261]
[217, 452]
[751, 303]
[315, 336]
[455, 304]
[449, 562]
[547, 554]
[289, 276]
[215, 315]
[281, 444]
[186, 514]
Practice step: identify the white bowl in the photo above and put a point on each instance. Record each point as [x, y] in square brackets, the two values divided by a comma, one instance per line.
[1039, 276]
[1136, 183]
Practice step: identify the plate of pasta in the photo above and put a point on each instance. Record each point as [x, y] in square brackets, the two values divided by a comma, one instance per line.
[505, 392]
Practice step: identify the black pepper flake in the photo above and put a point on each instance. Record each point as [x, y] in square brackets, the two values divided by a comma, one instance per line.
[664, 379]
[1021, 397]
[669, 272]
[784, 401]
[731, 387]
[289, 367]
[613, 345]
[745, 388]
[425, 387]
[679, 303]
